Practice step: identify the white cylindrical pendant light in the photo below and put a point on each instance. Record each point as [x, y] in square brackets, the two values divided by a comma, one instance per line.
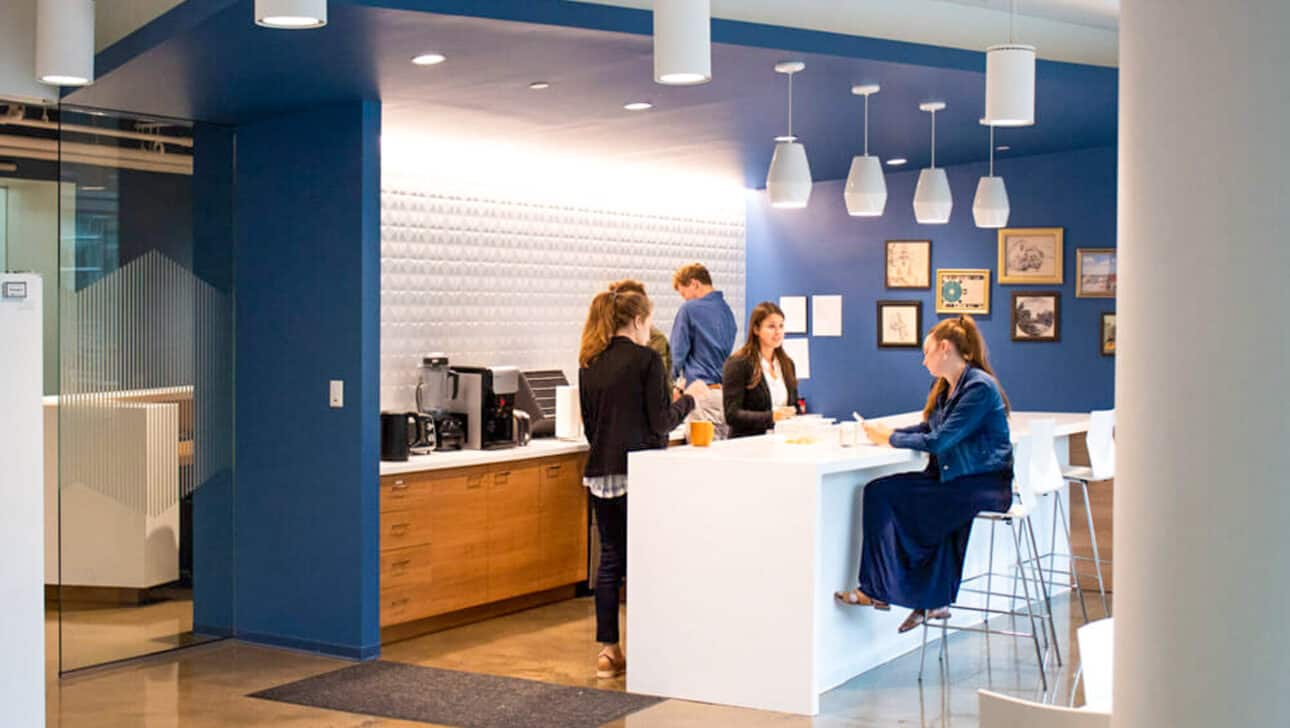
[866, 191]
[788, 182]
[682, 42]
[1010, 85]
[990, 207]
[932, 198]
[65, 42]
[291, 14]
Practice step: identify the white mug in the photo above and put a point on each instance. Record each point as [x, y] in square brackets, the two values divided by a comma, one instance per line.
[847, 434]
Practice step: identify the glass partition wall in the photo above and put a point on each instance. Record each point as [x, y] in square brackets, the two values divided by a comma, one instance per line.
[138, 371]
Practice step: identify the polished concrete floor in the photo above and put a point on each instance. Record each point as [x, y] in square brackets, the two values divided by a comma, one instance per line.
[206, 685]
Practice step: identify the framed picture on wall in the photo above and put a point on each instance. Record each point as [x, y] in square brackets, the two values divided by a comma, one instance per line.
[1036, 316]
[909, 264]
[1030, 255]
[900, 324]
[1108, 333]
[963, 290]
[1095, 274]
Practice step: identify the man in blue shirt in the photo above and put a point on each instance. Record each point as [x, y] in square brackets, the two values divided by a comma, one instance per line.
[703, 335]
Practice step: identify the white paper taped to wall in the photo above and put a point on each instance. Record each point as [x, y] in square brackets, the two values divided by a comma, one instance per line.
[794, 308]
[827, 315]
[799, 350]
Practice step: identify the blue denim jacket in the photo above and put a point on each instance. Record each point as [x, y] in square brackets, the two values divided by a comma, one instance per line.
[968, 433]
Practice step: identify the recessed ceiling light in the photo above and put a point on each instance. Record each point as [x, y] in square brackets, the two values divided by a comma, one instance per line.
[429, 59]
[638, 106]
[896, 161]
[1002, 148]
[94, 188]
[539, 85]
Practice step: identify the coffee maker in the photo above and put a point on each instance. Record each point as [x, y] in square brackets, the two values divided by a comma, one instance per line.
[486, 396]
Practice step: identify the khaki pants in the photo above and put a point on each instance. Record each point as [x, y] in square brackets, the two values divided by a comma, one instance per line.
[710, 408]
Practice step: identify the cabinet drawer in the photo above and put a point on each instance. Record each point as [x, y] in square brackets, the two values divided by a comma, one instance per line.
[406, 567]
[563, 470]
[404, 492]
[400, 529]
[404, 604]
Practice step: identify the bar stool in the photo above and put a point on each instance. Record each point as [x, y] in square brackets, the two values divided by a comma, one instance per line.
[1047, 480]
[1101, 458]
[1017, 518]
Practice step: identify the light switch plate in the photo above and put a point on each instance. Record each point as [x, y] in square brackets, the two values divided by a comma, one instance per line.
[337, 393]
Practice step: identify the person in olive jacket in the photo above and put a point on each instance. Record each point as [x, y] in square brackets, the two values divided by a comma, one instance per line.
[626, 407]
[759, 382]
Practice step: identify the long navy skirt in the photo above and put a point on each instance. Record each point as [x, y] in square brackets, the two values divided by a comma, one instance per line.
[916, 532]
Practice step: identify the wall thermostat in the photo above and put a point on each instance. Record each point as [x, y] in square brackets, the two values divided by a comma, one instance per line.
[14, 289]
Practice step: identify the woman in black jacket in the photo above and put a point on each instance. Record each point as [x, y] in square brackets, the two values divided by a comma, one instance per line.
[759, 382]
[625, 407]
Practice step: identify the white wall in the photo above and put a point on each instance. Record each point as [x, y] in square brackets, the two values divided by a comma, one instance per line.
[115, 19]
[494, 258]
[18, 53]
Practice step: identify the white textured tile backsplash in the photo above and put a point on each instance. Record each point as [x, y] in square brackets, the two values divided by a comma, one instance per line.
[508, 281]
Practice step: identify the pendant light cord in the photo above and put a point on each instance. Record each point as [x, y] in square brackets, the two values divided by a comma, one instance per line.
[933, 140]
[866, 125]
[790, 107]
[992, 150]
[1012, 22]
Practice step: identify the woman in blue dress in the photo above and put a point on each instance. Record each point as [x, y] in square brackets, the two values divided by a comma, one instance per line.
[916, 525]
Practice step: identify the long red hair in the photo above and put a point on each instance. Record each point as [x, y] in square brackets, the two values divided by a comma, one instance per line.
[609, 312]
[965, 337]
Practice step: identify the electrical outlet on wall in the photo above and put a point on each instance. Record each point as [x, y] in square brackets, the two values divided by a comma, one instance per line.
[337, 398]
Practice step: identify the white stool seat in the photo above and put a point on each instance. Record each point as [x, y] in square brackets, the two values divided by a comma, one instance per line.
[1079, 472]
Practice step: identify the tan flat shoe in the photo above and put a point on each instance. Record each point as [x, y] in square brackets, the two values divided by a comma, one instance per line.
[857, 598]
[607, 667]
[918, 616]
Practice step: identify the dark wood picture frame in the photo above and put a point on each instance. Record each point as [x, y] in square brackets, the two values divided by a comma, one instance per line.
[1053, 330]
[1108, 348]
[917, 340]
[886, 265]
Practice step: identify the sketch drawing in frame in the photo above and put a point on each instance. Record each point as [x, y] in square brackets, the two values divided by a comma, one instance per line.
[909, 264]
[1095, 273]
[1036, 316]
[1108, 333]
[963, 290]
[900, 324]
[1030, 255]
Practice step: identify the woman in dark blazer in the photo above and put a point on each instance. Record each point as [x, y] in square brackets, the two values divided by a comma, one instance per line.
[759, 382]
[625, 408]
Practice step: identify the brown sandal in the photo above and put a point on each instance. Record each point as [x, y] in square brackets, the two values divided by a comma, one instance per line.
[607, 667]
[918, 616]
[857, 598]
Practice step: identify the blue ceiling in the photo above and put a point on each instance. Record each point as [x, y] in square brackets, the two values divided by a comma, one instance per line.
[206, 60]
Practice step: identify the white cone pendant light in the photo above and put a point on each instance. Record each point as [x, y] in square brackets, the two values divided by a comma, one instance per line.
[1010, 82]
[932, 198]
[65, 42]
[990, 206]
[866, 190]
[682, 42]
[291, 14]
[789, 180]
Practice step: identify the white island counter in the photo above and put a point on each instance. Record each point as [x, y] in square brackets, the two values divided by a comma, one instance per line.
[734, 553]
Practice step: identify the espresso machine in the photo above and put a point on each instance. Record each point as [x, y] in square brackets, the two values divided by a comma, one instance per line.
[486, 395]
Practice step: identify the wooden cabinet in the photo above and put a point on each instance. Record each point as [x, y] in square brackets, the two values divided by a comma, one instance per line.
[460, 538]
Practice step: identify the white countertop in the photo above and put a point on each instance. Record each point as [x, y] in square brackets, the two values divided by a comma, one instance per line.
[833, 458]
[540, 448]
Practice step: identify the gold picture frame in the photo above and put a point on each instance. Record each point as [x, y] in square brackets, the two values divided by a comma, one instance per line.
[963, 290]
[1095, 272]
[1030, 256]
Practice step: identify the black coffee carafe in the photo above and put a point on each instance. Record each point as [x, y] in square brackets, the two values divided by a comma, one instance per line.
[398, 433]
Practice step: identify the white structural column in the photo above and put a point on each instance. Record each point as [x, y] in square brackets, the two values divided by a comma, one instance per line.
[1202, 497]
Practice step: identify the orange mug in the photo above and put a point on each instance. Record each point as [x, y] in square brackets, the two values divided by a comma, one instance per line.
[701, 433]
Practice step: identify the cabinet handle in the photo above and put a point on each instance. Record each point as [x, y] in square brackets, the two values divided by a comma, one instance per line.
[474, 482]
[501, 478]
[399, 529]
[553, 470]
[400, 485]
[400, 602]
[400, 565]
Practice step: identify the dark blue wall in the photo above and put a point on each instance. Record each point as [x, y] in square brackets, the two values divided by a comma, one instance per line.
[308, 294]
[821, 250]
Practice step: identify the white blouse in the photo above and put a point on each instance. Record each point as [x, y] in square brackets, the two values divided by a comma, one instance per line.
[775, 382]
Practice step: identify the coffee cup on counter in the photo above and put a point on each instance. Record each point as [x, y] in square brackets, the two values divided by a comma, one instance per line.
[701, 433]
[847, 434]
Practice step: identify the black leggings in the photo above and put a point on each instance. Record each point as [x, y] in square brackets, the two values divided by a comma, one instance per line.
[611, 521]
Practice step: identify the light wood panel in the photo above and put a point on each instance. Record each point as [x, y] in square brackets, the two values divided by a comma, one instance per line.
[564, 522]
[1101, 496]
[514, 533]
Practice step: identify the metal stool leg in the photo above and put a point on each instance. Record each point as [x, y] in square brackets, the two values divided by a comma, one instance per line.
[1025, 585]
[1043, 588]
[1097, 559]
[922, 655]
[989, 579]
[1070, 559]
